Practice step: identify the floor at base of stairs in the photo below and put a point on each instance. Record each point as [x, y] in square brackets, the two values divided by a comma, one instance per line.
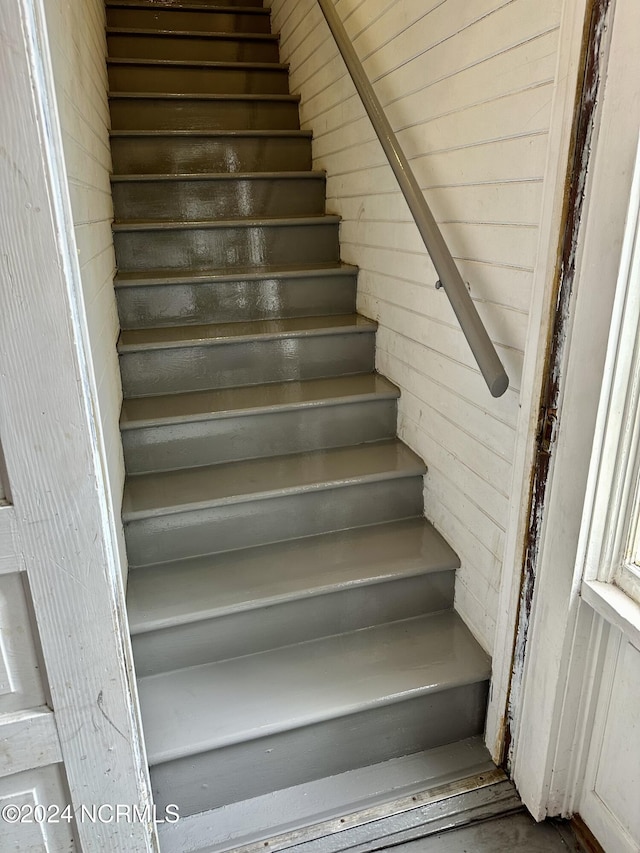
[516, 833]
[399, 799]
[451, 799]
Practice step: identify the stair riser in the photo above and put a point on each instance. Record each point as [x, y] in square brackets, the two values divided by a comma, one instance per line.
[207, 249]
[228, 301]
[223, 81]
[325, 749]
[294, 622]
[189, 20]
[198, 368]
[194, 114]
[231, 198]
[140, 46]
[187, 445]
[166, 154]
[259, 522]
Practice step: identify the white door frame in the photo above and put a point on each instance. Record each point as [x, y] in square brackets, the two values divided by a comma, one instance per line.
[52, 447]
[568, 74]
[566, 641]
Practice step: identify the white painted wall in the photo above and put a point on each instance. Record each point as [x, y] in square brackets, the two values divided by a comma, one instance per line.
[78, 49]
[468, 87]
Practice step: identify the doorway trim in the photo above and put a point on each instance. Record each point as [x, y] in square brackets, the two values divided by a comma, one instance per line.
[52, 448]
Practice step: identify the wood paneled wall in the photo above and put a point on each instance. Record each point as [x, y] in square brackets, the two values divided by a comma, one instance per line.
[468, 88]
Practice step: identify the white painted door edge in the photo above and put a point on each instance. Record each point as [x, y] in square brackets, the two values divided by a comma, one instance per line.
[567, 71]
[51, 442]
[566, 640]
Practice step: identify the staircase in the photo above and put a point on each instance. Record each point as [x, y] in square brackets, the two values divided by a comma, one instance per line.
[291, 610]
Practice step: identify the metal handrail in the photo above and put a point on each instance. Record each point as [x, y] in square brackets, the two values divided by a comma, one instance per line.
[450, 279]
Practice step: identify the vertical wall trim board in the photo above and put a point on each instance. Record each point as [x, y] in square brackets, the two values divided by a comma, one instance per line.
[55, 455]
[553, 385]
[512, 609]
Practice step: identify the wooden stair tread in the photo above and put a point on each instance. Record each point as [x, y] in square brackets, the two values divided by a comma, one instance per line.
[184, 5]
[177, 593]
[178, 336]
[253, 399]
[140, 278]
[219, 176]
[207, 707]
[261, 222]
[198, 63]
[135, 31]
[169, 492]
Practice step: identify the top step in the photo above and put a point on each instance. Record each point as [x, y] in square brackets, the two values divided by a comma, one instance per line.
[181, 4]
[212, 19]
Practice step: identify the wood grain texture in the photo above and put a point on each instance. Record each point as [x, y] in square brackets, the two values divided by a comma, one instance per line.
[78, 49]
[21, 680]
[468, 89]
[49, 427]
[29, 740]
[10, 555]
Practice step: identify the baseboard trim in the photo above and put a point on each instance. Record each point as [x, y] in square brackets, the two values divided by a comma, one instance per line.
[584, 836]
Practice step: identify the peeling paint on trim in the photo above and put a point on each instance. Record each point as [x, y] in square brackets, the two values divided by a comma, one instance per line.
[550, 412]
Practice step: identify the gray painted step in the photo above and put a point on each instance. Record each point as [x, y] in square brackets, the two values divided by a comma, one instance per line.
[211, 47]
[196, 358]
[171, 111]
[218, 196]
[207, 427]
[178, 4]
[215, 608]
[177, 514]
[292, 814]
[265, 721]
[157, 75]
[217, 19]
[256, 434]
[214, 151]
[227, 244]
[185, 297]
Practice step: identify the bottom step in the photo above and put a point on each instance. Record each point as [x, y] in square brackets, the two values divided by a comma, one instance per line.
[224, 732]
[325, 814]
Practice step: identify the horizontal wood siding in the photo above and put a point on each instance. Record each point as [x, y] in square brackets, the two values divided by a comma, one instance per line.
[468, 88]
[78, 48]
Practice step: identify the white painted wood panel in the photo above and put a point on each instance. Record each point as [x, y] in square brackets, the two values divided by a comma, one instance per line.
[468, 88]
[78, 50]
[59, 536]
[21, 683]
[29, 743]
[29, 739]
[610, 800]
[10, 557]
[43, 787]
